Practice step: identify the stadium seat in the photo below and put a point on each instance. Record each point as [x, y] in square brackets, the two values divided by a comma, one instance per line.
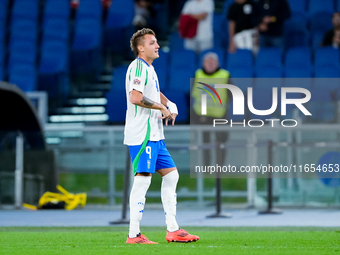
[27, 10]
[180, 78]
[23, 30]
[295, 31]
[176, 42]
[86, 47]
[118, 27]
[89, 9]
[326, 56]
[118, 80]
[161, 66]
[269, 63]
[3, 12]
[241, 58]
[56, 29]
[182, 59]
[320, 6]
[54, 69]
[298, 62]
[116, 106]
[57, 9]
[297, 6]
[22, 53]
[221, 35]
[262, 100]
[320, 23]
[322, 105]
[182, 102]
[269, 72]
[337, 5]
[24, 76]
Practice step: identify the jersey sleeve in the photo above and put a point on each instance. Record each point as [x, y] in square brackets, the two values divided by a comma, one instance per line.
[137, 77]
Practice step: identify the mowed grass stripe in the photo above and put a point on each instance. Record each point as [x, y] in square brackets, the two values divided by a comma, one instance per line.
[93, 241]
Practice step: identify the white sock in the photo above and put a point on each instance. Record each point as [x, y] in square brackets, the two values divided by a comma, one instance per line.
[169, 199]
[140, 186]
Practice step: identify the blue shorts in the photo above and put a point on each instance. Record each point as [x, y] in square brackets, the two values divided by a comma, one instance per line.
[152, 157]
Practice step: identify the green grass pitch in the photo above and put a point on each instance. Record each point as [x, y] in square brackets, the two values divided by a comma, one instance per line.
[221, 240]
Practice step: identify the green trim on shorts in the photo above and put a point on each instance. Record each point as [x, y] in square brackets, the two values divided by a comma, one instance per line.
[145, 142]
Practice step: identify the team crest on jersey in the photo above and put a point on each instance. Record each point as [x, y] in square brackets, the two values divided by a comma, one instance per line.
[136, 82]
[149, 164]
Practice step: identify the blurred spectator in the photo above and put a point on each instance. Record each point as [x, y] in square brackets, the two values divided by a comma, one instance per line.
[332, 37]
[269, 16]
[241, 29]
[201, 10]
[143, 14]
[211, 70]
[106, 4]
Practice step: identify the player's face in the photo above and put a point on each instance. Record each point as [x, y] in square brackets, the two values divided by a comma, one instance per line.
[150, 47]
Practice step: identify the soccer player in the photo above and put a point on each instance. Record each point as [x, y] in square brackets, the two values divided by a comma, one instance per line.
[146, 109]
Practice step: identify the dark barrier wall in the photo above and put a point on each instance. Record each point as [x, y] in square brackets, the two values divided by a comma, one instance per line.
[19, 115]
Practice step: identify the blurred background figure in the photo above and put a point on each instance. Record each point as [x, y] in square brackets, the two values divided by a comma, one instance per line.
[211, 70]
[332, 37]
[242, 34]
[142, 13]
[202, 10]
[269, 16]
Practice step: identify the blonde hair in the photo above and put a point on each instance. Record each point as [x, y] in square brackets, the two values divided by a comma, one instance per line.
[138, 39]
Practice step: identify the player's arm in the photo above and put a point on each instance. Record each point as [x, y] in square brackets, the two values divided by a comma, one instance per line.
[137, 98]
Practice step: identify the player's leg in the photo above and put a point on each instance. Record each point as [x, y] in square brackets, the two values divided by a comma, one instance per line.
[143, 169]
[166, 167]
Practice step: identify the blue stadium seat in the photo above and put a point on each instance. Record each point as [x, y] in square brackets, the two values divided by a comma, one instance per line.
[220, 53]
[23, 30]
[176, 42]
[27, 10]
[337, 5]
[54, 69]
[298, 6]
[322, 105]
[269, 72]
[241, 58]
[226, 6]
[57, 9]
[3, 12]
[326, 56]
[298, 72]
[56, 29]
[320, 23]
[118, 27]
[89, 9]
[182, 102]
[161, 66]
[116, 106]
[320, 6]
[24, 76]
[221, 35]
[118, 80]
[295, 31]
[262, 100]
[298, 62]
[180, 78]
[327, 66]
[182, 59]
[269, 63]
[1, 72]
[22, 53]
[86, 47]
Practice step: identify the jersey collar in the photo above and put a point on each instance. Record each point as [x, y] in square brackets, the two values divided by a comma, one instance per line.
[143, 61]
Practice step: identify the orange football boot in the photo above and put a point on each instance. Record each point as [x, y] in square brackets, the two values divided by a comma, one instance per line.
[181, 236]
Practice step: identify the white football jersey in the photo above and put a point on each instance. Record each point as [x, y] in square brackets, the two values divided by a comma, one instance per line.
[142, 123]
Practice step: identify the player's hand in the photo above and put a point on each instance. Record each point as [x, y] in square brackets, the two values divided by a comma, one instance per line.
[174, 115]
[166, 114]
